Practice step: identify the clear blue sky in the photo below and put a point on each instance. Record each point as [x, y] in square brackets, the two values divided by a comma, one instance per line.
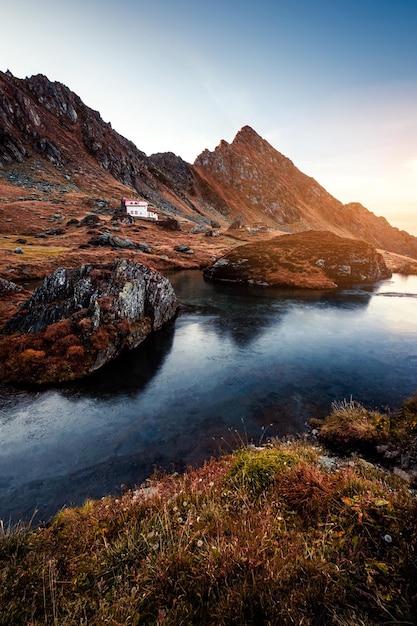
[332, 84]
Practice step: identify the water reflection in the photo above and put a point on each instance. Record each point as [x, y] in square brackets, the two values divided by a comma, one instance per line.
[130, 373]
[236, 362]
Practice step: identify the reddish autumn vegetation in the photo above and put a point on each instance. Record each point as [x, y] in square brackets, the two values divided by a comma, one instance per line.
[313, 260]
[271, 535]
[57, 349]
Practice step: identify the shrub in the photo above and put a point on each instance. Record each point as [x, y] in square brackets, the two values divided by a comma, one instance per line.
[56, 331]
[75, 353]
[100, 339]
[351, 423]
[404, 427]
[255, 472]
[61, 346]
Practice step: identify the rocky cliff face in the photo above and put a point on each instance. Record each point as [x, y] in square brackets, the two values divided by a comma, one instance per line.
[81, 318]
[258, 180]
[252, 176]
[43, 118]
[46, 127]
[313, 260]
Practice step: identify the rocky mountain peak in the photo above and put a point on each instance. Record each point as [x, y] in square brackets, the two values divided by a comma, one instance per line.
[55, 96]
[44, 126]
[247, 135]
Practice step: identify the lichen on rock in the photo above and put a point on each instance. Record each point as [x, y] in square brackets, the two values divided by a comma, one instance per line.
[81, 318]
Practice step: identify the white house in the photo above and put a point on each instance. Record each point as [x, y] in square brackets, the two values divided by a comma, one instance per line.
[138, 208]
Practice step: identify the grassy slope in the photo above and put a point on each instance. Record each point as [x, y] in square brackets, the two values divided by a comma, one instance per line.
[262, 536]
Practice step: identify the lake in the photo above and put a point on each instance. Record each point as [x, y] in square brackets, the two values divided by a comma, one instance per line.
[239, 364]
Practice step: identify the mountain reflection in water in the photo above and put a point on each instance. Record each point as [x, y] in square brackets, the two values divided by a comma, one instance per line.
[239, 364]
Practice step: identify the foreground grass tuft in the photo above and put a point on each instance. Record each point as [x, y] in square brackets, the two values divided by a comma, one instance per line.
[350, 422]
[262, 536]
[351, 426]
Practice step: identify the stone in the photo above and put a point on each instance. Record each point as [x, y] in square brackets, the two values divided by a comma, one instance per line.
[312, 259]
[183, 248]
[237, 223]
[107, 239]
[18, 250]
[122, 217]
[198, 228]
[90, 220]
[81, 318]
[144, 247]
[7, 287]
[402, 474]
[169, 224]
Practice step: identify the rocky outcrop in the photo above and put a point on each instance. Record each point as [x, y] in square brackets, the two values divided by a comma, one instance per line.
[45, 127]
[260, 184]
[314, 260]
[7, 288]
[81, 318]
[44, 118]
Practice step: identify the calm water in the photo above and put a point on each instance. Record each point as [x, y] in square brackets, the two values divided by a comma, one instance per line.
[238, 363]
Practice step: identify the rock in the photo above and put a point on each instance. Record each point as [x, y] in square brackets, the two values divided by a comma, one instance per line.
[183, 248]
[81, 318]
[312, 259]
[392, 454]
[402, 474]
[89, 220]
[170, 224]
[56, 231]
[144, 247]
[7, 288]
[328, 462]
[18, 251]
[198, 228]
[365, 464]
[107, 239]
[237, 223]
[121, 216]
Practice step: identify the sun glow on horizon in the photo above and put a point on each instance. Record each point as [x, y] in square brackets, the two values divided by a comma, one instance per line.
[179, 78]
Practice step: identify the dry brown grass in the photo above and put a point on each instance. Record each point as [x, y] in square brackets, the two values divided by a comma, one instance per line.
[262, 536]
[351, 426]
[350, 422]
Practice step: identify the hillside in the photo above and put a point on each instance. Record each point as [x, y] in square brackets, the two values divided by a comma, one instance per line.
[260, 183]
[282, 534]
[56, 153]
[306, 260]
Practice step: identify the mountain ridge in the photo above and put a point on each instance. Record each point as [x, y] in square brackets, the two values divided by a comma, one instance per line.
[47, 131]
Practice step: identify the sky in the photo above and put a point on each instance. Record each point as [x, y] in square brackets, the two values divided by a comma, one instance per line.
[331, 84]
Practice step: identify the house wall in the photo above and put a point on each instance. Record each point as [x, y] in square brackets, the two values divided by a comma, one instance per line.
[138, 208]
[141, 212]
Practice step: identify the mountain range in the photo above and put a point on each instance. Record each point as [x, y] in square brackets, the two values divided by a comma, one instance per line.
[63, 152]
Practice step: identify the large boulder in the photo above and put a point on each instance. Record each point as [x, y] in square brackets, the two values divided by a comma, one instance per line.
[311, 259]
[81, 318]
